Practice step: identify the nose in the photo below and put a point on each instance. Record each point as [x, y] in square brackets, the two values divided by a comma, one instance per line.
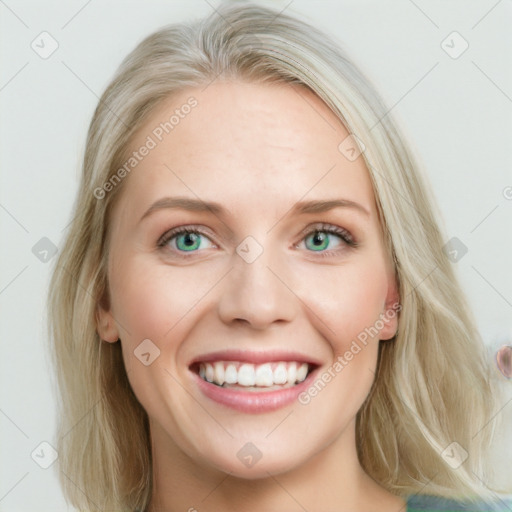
[257, 294]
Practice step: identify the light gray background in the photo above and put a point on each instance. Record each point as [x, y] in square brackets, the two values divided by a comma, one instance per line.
[458, 113]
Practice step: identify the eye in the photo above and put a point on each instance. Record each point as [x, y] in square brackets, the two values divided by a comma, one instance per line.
[327, 237]
[321, 238]
[185, 240]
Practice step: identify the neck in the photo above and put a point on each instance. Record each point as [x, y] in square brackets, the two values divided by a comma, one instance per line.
[332, 479]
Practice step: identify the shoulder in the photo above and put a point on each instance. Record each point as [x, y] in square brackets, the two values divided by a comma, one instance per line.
[428, 503]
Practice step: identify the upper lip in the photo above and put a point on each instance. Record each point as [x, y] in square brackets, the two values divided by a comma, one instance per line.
[255, 357]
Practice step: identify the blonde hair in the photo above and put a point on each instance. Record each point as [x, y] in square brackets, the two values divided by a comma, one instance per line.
[432, 386]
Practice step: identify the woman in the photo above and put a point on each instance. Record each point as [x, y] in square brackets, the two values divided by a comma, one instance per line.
[253, 309]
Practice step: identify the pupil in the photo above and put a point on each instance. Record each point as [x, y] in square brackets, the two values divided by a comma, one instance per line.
[190, 239]
[318, 238]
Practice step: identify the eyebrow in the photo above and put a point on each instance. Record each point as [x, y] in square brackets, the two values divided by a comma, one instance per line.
[326, 205]
[183, 203]
[302, 207]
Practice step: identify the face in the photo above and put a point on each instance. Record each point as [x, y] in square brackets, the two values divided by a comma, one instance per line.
[246, 261]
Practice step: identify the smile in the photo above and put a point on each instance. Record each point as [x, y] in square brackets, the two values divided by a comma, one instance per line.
[236, 374]
[253, 383]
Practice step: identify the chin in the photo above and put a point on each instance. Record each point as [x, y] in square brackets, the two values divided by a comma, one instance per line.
[260, 469]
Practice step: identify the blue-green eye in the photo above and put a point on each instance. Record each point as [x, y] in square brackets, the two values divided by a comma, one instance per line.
[320, 240]
[327, 237]
[323, 238]
[186, 240]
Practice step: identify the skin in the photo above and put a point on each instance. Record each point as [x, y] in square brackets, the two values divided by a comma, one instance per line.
[257, 150]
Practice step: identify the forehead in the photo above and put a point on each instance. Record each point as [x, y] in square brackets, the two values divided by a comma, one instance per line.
[241, 141]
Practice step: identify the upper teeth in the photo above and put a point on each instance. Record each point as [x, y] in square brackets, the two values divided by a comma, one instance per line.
[246, 374]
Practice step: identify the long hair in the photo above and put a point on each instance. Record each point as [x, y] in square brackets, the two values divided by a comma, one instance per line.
[432, 386]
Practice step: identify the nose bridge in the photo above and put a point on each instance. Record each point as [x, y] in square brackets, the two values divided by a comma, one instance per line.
[255, 292]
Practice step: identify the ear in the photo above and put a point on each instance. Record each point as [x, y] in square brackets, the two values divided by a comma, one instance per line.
[105, 325]
[389, 316]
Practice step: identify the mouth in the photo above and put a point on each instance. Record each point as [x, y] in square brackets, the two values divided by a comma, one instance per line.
[253, 377]
[252, 382]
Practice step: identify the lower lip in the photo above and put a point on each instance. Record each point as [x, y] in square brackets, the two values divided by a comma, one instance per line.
[254, 402]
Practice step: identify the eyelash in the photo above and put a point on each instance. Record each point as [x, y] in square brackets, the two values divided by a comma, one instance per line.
[344, 235]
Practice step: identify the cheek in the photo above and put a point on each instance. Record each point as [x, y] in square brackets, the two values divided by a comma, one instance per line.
[149, 300]
[347, 299]
[156, 302]
[347, 308]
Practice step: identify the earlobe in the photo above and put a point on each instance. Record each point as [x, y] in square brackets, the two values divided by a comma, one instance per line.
[106, 325]
[389, 316]
[390, 323]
